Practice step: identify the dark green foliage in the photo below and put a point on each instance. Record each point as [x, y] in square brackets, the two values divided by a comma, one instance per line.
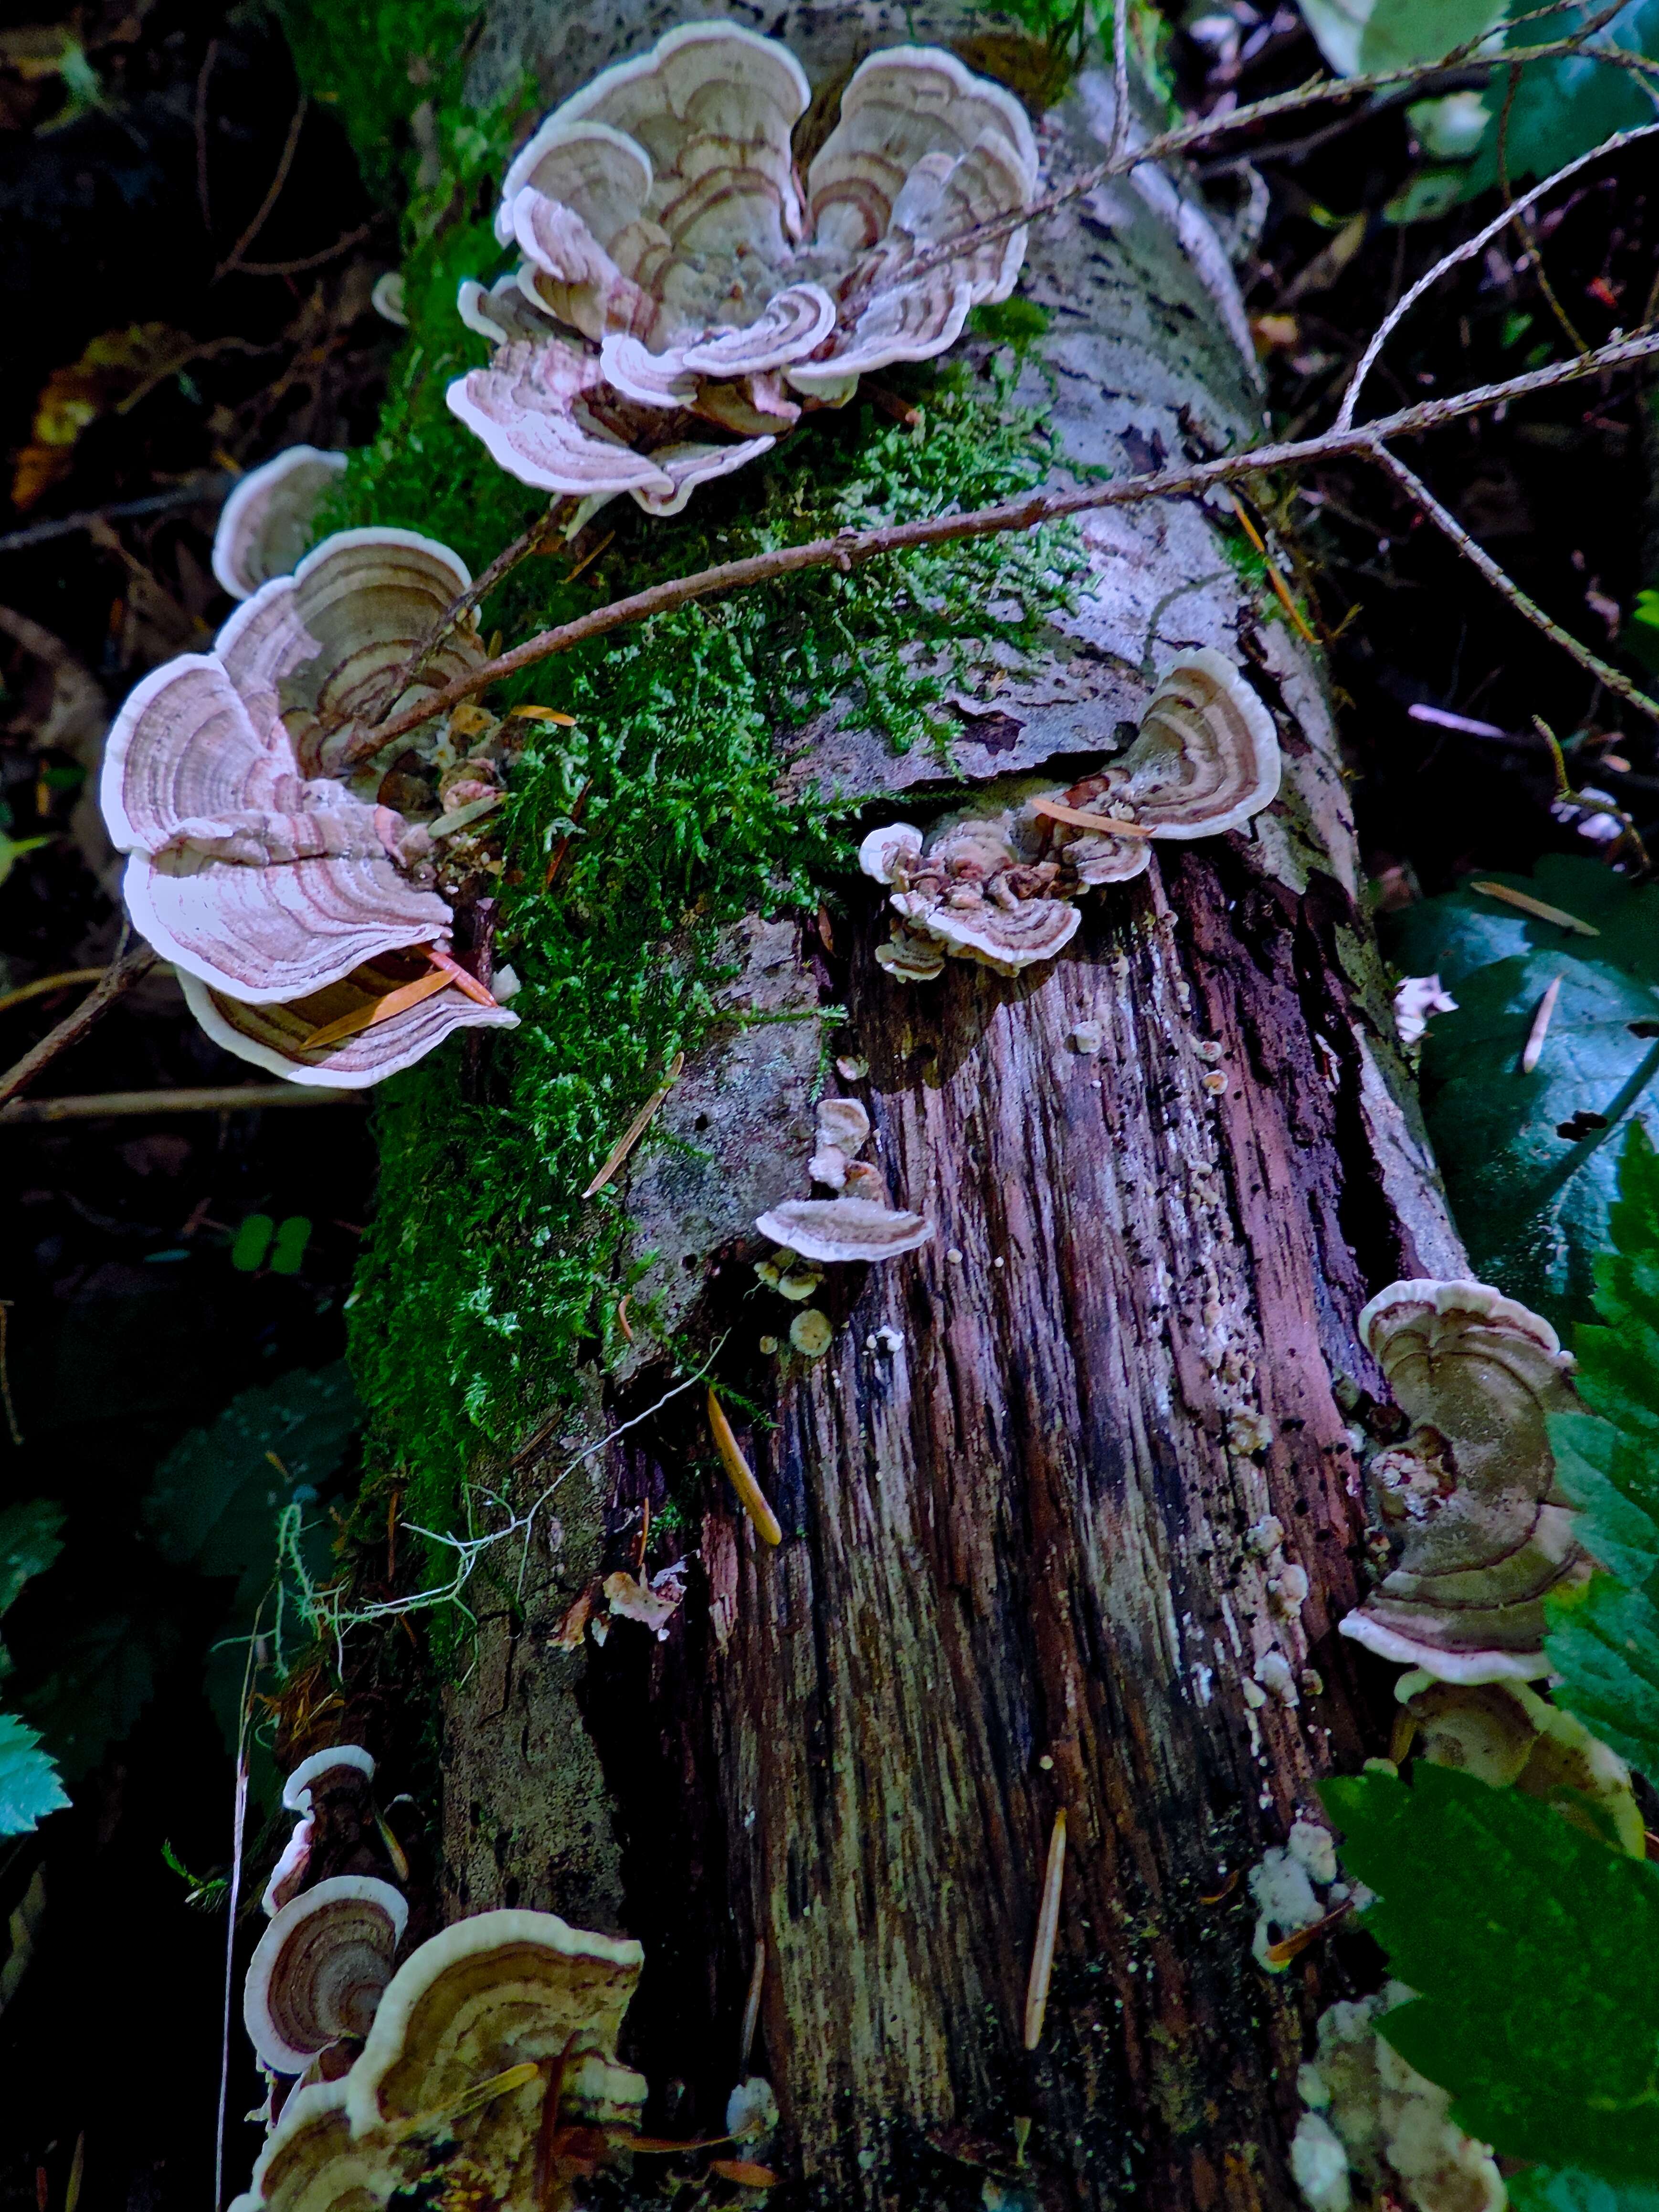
[29, 1787]
[480, 1231]
[241, 1501]
[1530, 1947]
[29, 1784]
[374, 63]
[1532, 1204]
[1604, 1640]
[1563, 108]
[1541, 2189]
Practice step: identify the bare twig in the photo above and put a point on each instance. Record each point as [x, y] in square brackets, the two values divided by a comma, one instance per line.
[850, 548]
[199, 491]
[44, 985]
[1466, 252]
[1420, 497]
[290, 147]
[5, 1376]
[1423, 76]
[1119, 79]
[133, 964]
[522, 547]
[213, 1098]
[341, 244]
[203, 78]
[1528, 236]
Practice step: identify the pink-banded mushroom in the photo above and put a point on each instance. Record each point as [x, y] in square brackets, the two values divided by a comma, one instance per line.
[266, 880]
[319, 1970]
[312, 2163]
[344, 1768]
[1471, 1491]
[996, 883]
[674, 281]
[265, 526]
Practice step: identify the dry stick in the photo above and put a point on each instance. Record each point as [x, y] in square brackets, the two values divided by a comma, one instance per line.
[1119, 79]
[197, 492]
[341, 244]
[1420, 497]
[44, 985]
[1042, 1951]
[217, 1099]
[519, 550]
[751, 2006]
[5, 1377]
[1528, 236]
[135, 961]
[851, 547]
[1466, 252]
[1169, 143]
[290, 147]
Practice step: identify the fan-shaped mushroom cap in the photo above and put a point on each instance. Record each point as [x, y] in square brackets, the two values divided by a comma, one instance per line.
[274, 1038]
[1005, 939]
[884, 850]
[1504, 1733]
[312, 2163]
[844, 1123]
[320, 1969]
[833, 1230]
[1487, 1534]
[288, 1876]
[296, 1790]
[265, 525]
[658, 215]
[265, 881]
[488, 1994]
[1206, 759]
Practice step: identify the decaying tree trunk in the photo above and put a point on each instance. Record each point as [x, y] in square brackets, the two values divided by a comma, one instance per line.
[1019, 1493]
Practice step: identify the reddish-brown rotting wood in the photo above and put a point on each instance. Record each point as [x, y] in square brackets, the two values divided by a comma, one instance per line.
[1019, 1573]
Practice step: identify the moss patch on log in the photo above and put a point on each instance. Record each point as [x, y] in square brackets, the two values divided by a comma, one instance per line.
[487, 1279]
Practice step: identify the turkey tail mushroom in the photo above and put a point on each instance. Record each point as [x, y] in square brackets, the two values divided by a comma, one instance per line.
[319, 1970]
[265, 526]
[1487, 1533]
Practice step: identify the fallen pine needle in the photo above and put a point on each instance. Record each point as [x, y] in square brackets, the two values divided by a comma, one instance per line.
[42, 984]
[555, 858]
[1042, 1955]
[749, 1494]
[751, 2007]
[542, 714]
[1533, 1051]
[381, 1010]
[498, 2085]
[588, 559]
[745, 2172]
[462, 978]
[1281, 1954]
[1280, 590]
[636, 1129]
[622, 1321]
[1530, 905]
[1079, 819]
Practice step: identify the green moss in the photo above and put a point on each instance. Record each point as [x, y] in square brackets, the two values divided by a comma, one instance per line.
[486, 1280]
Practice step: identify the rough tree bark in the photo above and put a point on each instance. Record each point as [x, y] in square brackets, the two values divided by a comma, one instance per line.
[1018, 1572]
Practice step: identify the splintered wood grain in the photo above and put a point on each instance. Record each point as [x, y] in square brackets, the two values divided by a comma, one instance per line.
[1018, 1574]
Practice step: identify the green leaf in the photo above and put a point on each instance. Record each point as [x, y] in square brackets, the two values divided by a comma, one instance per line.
[1358, 36]
[251, 1243]
[217, 1496]
[1569, 2189]
[1535, 1204]
[1530, 1947]
[1564, 107]
[29, 1785]
[1614, 1483]
[104, 1678]
[30, 1539]
[1603, 1641]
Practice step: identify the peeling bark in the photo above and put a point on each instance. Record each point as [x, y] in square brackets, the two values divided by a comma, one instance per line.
[1019, 1571]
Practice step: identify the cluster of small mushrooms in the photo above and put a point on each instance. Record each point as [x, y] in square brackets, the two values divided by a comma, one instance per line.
[680, 298]
[1469, 1496]
[487, 2057]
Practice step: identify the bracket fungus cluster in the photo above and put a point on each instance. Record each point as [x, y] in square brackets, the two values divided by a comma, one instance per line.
[998, 883]
[1470, 1492]
[296, 897]
[1374, 2120]
[317, 1973]
[681, 297]
[492, 2063]
[858, 1224]
[265, 526]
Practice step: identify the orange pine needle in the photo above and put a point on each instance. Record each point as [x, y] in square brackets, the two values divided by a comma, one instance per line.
[636, 1129]
[542, 714]
[1527, 904]
[750, 1496]
[1043, 1953]
[462, 978]
[1281, 1954]
[1280, 590]
[1078, 819]
[378, 1010]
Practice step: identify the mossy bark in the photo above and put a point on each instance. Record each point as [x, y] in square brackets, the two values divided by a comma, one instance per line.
[1017, 1492]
